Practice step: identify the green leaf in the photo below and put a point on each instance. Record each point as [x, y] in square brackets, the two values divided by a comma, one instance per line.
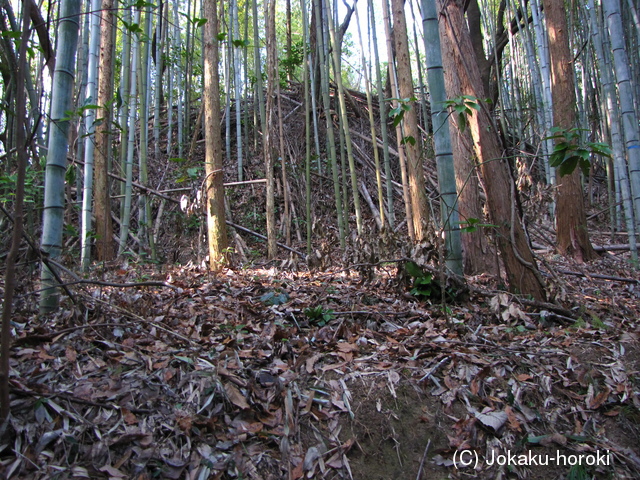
[240, 43]
[142, 4]
[70, 175]
[12, 35]
[413, 269]
[462, 122]
[132, 27]
[398, 118]
[408, 140]
[199, 22]
[184, 359]
[568, 166]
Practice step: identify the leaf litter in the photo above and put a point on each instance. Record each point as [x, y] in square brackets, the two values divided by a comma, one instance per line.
[265, 374]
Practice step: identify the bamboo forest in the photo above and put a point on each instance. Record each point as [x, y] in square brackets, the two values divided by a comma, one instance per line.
[320, 239]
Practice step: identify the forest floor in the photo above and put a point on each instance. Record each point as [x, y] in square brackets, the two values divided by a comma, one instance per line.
[285, 370]
[267, 373]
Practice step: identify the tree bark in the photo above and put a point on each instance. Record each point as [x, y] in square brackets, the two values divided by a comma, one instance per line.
[442, 139]
[479, 256]
[521, 270]
[216, 226]
[268, 144]
[411, 134]
[61, 103]
[10, 272]
[571, 220]
[102, 206]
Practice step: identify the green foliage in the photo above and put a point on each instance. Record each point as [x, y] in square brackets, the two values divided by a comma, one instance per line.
[597, 323]
[141, 4]
[408, 140]
[472, 224]
[423, 285]
[397, 113]
[134, 28]
[241, 43]
[11, 35]
[319, 315]
[292, 60]
[32, 189]
[462, 107]
[185, 172]
[578, 472]
[194, 222]
[569, 151]
[70, 230]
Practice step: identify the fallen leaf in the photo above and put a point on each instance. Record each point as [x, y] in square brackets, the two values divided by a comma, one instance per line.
[70, 353]
[493, 420]
[235, 396]
[113, 472]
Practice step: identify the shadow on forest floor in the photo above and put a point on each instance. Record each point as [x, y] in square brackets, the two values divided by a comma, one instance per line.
[259, 373]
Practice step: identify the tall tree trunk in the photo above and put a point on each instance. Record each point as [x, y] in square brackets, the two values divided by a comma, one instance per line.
[336, 42]
[89, 145]
[144, 206]
[612, 113]
[479, 256]
[392, 86]
[268, 144]
[216, 225]
[306, 74]
[123, 113]
[571, 220]
[131, 129]
[522, 272]
[102, 206]
[158, 53]
[626, 85]
[410, 133]
[383, 116]
[10, 271]
[323, 51]
[442, 139]
[61, 103]
[372, 125]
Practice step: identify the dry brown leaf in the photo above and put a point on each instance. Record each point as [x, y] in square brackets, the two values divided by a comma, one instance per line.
[311, 361]
[596, 402]
[235, 396]
[70, 353]
[493, 420]
[347, 347]
[129, 418]
[556, 438]
[514, 423]
[113, 472]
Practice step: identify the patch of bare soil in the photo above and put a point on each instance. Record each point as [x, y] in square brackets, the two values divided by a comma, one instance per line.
[265, 374]
[395, 426]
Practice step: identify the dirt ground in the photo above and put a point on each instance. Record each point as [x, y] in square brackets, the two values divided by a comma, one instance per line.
[268, 373]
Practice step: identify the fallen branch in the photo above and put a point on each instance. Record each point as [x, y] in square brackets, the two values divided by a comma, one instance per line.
[612, 248]
[602, 277]
[259, 235]
[374, 211]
